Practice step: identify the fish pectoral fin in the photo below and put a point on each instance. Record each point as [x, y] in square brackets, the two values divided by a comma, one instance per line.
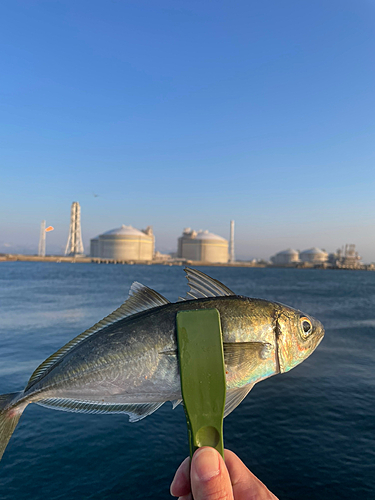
[136, 411]
[235, 397]
[202, 286]
[245, 355]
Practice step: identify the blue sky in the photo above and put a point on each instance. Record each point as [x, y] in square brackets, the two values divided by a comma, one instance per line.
[189, 114]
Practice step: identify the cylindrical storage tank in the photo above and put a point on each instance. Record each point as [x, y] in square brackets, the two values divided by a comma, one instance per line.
[202, 246]
[190, 249]
[213, 248]
[126, 243]
[314, 256]
[94, 247]
[285, 257]
[187, 246]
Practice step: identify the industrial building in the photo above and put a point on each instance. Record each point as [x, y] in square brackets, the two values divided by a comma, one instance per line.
[202, 246]
[314, 256]
[346, 257]
[286, 257]
[123, 244]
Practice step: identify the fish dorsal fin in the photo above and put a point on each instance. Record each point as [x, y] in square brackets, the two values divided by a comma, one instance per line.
[202, 286]
[235, 396]
[140, 299]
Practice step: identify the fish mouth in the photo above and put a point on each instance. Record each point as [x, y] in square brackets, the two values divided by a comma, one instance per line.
[321, 333]
[319, 340]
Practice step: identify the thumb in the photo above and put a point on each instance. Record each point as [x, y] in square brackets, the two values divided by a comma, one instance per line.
[209, 476]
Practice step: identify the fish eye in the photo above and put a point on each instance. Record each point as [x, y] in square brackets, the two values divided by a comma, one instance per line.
[306, 326]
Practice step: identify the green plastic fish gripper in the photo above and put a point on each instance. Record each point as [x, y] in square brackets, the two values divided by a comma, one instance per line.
[202, 372]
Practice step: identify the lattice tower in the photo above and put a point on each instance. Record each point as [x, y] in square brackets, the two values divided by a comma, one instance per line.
[42, 240]
[74, 245]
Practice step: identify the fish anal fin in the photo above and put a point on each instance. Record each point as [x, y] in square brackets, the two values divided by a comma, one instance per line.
[136, 411]
[175, 403]
[235, 397]
[141, 298]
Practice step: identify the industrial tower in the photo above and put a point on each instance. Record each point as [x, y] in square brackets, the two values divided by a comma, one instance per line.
[42, 240]
[231, 242]
[74, 245]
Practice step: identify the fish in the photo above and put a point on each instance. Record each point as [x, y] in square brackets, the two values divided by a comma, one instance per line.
[128, 362]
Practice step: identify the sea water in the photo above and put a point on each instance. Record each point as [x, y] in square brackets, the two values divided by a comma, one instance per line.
[307, 434]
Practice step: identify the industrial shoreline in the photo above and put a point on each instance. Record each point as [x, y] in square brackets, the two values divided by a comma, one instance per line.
[174, 262]
[129, 245]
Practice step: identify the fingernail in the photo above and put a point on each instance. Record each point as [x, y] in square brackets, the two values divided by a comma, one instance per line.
[171, 487]
[172, 484]
[206, 464]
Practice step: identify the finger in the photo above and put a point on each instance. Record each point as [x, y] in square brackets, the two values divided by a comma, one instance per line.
[245, 484]
[181, 482]
[209, 477]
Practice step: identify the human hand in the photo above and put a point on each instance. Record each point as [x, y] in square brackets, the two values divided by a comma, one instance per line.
[210, 478]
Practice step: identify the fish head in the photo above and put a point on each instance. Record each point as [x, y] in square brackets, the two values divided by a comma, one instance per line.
[298, 335]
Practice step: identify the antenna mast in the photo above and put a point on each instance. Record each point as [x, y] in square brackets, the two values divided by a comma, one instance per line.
[74, 245]
[42, 240]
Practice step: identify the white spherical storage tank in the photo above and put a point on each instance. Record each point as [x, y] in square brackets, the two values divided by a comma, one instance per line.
[314, 256]
[127, 243]
[285, 257]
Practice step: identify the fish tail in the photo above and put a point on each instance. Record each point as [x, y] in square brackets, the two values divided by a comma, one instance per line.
[10, 414]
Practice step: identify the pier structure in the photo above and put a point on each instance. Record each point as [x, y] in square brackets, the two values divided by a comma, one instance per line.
[74, 245]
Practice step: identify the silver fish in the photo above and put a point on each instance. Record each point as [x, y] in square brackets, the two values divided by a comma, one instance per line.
[127, 362]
